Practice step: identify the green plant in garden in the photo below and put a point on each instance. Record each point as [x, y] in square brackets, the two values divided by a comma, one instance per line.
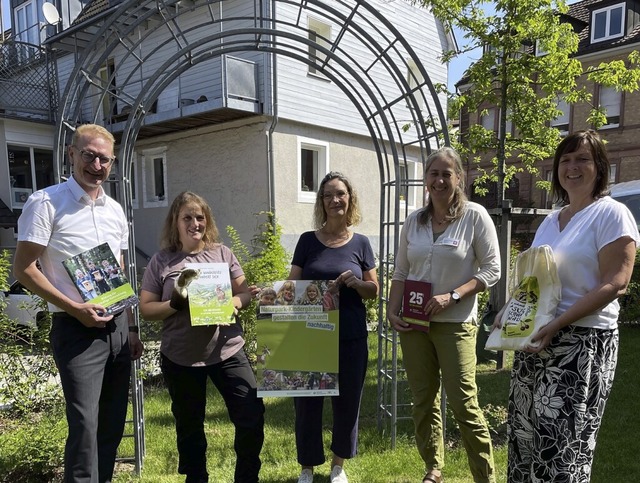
[264, 260]
[33, 448]
[32, 427]
[27, 368]
[630, 302]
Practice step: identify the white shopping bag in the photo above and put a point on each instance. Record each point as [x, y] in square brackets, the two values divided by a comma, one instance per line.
[535, 292]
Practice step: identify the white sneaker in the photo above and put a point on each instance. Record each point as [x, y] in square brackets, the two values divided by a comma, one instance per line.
[338, 475]
[306, 476]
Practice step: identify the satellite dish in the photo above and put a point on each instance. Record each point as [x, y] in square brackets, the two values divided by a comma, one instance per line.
[51, 14]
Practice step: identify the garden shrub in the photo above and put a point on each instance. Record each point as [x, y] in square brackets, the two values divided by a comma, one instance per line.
[33, 450]
[27, 368]
[32, 427]
[630, 302]
[264, 260]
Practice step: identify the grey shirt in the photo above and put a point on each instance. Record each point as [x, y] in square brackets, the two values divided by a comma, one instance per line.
[181, 343]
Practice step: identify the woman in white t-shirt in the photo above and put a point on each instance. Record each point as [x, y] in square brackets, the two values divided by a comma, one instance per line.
[559, 389]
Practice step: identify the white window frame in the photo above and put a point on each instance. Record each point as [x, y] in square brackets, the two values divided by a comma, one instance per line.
[613, 168]
[540, 52]
[607, 12]
[319, 32]
[108, 102]
[611, 101]
[149, 174]
[563, 121]
[18, 192]
[414, 172]
[29, 29]
[322, 168]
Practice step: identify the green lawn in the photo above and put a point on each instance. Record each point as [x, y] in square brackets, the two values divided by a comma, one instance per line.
[616, 455]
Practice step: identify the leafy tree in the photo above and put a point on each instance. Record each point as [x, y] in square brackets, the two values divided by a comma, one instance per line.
[526, 88]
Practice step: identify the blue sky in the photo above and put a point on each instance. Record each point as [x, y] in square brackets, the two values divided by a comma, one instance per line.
[459, 64]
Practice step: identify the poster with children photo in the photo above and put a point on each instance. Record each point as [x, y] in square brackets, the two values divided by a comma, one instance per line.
[297, 334]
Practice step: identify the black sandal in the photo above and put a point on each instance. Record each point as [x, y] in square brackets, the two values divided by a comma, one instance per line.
[432, 478]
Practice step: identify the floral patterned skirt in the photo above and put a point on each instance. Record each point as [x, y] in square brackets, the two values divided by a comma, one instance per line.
[556, 403]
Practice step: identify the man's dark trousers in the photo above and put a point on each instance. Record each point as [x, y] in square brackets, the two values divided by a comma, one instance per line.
[95, 369]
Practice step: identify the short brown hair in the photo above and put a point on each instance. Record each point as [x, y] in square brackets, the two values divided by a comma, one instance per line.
[170, 237]
[600, 157]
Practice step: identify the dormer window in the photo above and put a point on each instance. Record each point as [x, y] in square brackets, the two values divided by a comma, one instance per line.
[607, 23]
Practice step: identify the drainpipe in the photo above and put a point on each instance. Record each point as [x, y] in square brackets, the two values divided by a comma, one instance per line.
[274, 121]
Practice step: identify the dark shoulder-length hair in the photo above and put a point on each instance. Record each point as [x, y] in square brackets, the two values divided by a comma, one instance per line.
[457, 206]
[170, 237]
[600, 157]
[353, 211]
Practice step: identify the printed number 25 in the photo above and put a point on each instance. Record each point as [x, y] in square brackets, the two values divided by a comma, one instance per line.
[415, 298]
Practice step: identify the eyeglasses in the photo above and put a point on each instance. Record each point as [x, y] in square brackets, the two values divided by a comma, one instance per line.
[341, 195]
[90, 157]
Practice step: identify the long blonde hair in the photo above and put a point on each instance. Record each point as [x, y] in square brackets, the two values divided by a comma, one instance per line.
[457, 206]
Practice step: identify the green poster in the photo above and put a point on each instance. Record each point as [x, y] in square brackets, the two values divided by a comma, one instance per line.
[298, 332]
[210, 295]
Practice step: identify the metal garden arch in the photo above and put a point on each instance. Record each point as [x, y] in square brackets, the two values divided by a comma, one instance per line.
[260, 29]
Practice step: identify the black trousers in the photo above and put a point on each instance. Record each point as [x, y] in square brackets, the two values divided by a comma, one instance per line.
[236, 382]
[352, 366]
[95, 367]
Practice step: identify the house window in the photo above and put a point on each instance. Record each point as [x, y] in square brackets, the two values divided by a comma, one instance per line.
[488, 120]
[410, 178]
[540, 50]
[490, 199]
[508, 125]
[548, 197]
[561, 123]
[313, 164]
[28, 18]
[607, 23]
[154, 177]
[319, 34]
[30, 169]
[498, 53]
[610, 100]
[107, 107]
[415, 79]
[613, 169]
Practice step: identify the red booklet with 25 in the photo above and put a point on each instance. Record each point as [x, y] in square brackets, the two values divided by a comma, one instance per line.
[414, 304]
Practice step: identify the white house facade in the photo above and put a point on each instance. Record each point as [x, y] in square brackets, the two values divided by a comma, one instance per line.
[250, 130]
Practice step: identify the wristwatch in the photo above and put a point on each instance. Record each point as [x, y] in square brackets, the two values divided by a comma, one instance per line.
[455, 296]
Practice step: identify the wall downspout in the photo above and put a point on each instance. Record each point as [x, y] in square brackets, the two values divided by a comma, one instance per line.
[274, 118]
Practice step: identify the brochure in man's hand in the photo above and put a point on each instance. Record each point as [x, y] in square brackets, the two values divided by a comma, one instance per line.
[414, 304]
[210, 295]
[100, 280]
